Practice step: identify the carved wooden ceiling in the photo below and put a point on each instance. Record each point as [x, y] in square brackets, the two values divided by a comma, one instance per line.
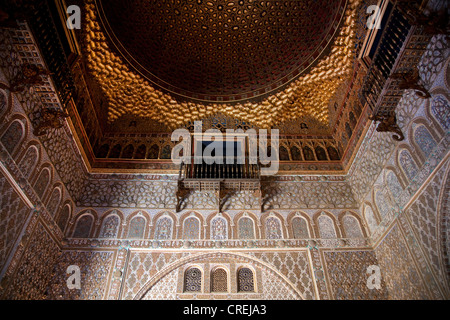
[221, 50]
[262, 62]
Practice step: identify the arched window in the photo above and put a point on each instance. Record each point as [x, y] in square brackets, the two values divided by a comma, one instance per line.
[333, 153]
[246, 228]
[163, 229]
[193, 280]
[140, 152]
[300, 228]
[424, 140]
[166, 152]
[382, 203]
[42, 182]
[53, 202]
[352, 119]
[326, 227]
[29, 161]
[393, 184]
[128, 152]
[136, 228]
[273, 228]
[308, 153]
[284, 154]
[110, 227]
[83, 227]
[63, 218]
[246, 282]
[370, 219]
[408, 164]
[321, 154]
[440, 109]
[115, 152]
[12, 137]
[154, 152]
[296, 154]
[219, 280]
[219, 229]
[191, 229]
[348, 130]
[352, 227]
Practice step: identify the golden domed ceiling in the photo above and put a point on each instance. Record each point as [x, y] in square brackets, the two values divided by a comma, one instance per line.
[225, 50]
[262, 62]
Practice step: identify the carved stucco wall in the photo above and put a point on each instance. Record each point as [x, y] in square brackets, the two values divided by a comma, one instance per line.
[404, 199]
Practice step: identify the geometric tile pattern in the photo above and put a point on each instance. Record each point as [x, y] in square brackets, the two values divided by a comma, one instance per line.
[294, 265]
[402, 279]
[274, 289]
[424, 218]
[13, 214]
[95, 268]
[348, 275]
[165, 289]
[35, 270]
[141, 267]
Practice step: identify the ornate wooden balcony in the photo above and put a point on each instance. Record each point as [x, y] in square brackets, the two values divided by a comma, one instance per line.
[222, 179]
[391, 57]
[47, 23]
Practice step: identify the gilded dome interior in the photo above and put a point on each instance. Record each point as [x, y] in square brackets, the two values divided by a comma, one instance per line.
[261, 62]
[221, 50]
